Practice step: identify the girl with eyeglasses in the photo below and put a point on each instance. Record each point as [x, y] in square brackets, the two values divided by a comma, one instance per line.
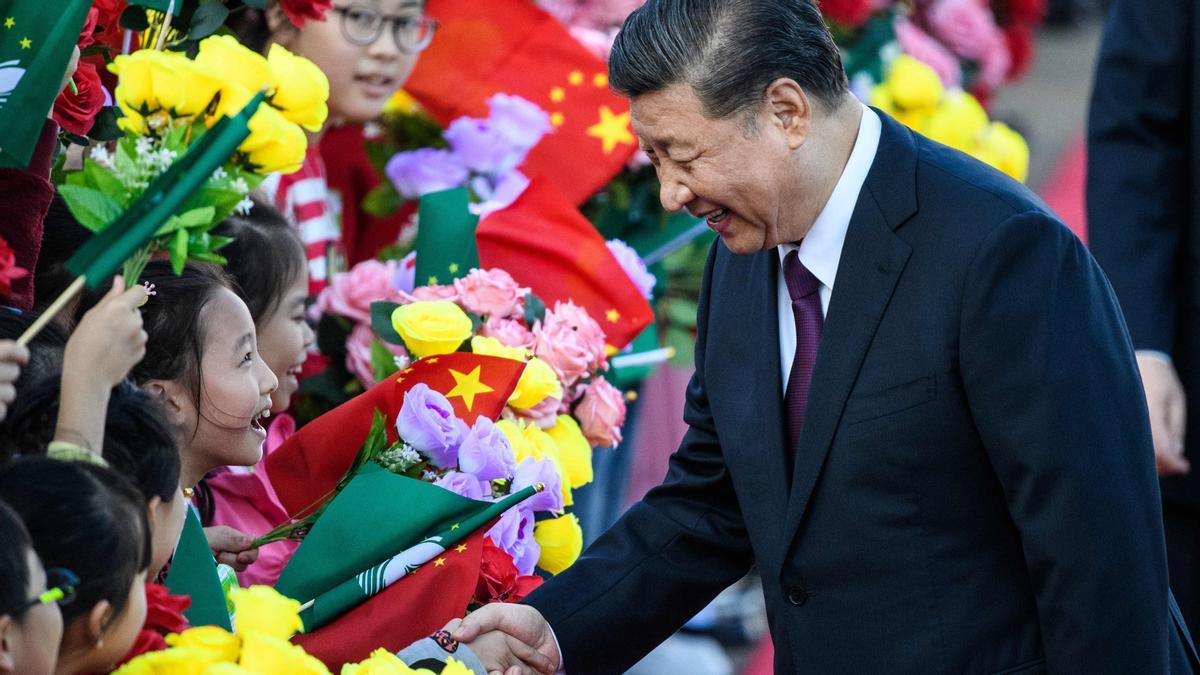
[91, 521]
[367, 49]
[30, 624]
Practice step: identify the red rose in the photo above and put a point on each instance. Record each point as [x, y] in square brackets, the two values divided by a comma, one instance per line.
[848, 13]
[299, 11]
[498, 577]
[1020, 47]
[9, 272]
[86, 37]
[164, 612]
[77, 112]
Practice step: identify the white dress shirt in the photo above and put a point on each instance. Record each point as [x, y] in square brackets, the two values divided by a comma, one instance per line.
[821, 249]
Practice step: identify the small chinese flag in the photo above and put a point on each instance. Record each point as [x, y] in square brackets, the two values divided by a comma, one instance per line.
[514, 47]
[546, 244]
[305, 469]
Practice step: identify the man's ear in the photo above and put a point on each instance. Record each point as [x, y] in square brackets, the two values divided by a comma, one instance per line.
[8, 660]
[790, 109]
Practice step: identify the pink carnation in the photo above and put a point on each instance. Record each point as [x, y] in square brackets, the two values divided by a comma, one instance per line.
[509, 332]
[919, 45]
[358, 354]
[544, 414]
[969, 28]
[350, 294]
[490, 293]
[570, 341]
[423, 293]
[600, 413]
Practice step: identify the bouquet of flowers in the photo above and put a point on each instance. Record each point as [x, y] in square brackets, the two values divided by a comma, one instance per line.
[168, 101]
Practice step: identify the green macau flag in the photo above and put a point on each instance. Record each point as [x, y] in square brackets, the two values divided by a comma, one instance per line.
[36, 41]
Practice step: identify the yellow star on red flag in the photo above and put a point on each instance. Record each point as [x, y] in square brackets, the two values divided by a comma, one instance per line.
[612, 129]
[467, 386]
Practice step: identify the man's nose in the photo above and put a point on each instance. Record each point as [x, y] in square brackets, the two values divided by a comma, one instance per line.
[674, 195]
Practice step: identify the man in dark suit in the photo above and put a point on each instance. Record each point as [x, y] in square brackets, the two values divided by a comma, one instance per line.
[1144, 228]
[915, 408]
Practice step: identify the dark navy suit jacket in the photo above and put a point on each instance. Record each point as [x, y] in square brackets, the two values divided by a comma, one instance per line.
[974, 487]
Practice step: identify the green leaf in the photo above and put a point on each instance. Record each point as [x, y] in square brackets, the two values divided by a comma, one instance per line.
[219, 242]
[99, 178]
[178, 251]
[381, 322]
[379, 154]
[207, 19]
[257, 4]
[104, 126]
[188, 219]
[383, 362]
[134, 19]
[208, 258]
[332, 332]
[535, 310]
[382, 200]
[92, 208]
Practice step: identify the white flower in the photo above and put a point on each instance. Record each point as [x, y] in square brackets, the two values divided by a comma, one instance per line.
[220, 173]
[239, 184]
[243, 207]
[102, 156]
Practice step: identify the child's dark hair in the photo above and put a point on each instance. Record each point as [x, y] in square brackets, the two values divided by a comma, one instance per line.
[14, 562]
[85, 518]
[62, 236]
[45, 350]
[265, 258]
[138, 440]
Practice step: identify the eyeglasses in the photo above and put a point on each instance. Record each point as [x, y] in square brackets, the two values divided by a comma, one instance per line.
[363, 24]
[61, 584]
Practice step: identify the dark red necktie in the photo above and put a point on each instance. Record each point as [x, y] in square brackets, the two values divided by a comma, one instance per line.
[803, 287]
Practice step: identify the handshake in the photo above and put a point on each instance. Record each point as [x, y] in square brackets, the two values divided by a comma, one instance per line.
[509, 639]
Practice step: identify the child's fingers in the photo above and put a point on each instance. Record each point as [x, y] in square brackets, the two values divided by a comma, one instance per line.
[135, 297]
[11, 352]
[118, 287]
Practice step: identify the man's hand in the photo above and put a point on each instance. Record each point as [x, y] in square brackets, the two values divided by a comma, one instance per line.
[231, 547]
[1168, 413]
[520, 622]
[12, 357]
[503, 654]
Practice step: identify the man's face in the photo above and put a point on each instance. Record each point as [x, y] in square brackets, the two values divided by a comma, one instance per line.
[726, 171]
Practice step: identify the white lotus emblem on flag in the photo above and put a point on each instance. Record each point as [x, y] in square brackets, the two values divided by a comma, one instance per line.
[10, 76]
[377, 578]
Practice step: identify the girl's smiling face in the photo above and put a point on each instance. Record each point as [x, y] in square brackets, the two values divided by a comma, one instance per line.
[284, 337]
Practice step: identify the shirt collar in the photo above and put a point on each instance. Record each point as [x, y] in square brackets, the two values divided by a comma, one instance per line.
[821, 249]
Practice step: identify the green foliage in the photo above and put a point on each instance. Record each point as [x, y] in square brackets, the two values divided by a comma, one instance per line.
[381, 322]
[535, 309]
[91, 207]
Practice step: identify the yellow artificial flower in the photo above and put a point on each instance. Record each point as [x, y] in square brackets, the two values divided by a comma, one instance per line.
[432, 327]
[274, 144]
[381, 662]
[261, 610]
[402, 102]
[561, 540]
[913, 84]
[537, 383]
[241, 71]
[174, 661]
[227, 669]
[490, 346]
[150, 81]
[528, 441]
[265, 654]
[512, 431]
[301, 89]
[455, 667]
[573, 449]
[221, 643]
[958, 122]
[1006, 150]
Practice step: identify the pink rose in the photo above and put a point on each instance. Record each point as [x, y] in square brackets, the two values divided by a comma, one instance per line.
[491, 293]
[919, 45]
[570, 341]
[350, 294]
[544, 414]
[358, 354]
[510, 332]
[423, 293]
[600, 413]
[969, 28]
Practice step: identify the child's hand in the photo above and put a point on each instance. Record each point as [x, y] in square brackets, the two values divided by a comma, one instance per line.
[12, 357]
[231, 547]
[109, 340]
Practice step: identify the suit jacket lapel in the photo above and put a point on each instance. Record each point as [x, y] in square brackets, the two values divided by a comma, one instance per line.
[873, 258]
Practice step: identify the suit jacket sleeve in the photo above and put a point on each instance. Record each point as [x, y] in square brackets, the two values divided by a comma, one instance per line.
[664, 560]
[1058, 406]
[1138, 140]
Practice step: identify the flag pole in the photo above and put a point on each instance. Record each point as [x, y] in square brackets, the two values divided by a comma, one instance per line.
[59, 302]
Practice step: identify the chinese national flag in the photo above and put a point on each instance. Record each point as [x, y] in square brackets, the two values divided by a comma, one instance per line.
[309, 464]
[514, 47]
[546, 244]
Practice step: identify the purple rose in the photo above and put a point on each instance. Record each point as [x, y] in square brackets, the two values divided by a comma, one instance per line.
[486, 453]
[532, 471]
[481, 146]
[523, 123]
[513, 533]
[465, 485]
[405, 278]
[418, 172]
[634, 266]
[428, 423]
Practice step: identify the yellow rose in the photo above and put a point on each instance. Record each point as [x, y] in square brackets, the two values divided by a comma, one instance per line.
[223, 644]
[561, 540]
[1006, 150]
[175, 661]
[241, 71]
[381, 662]
[881, 97]
[432, 327]
[455, 667]
[227, 669]
[542, 446]
[574, 451]
[537, 383]
[512, 431]
[265, 654]
[150, 81]
[301, 89]
[913, 84]
[261, 610]
[274, 144]
[958, 122]
[490, 346]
